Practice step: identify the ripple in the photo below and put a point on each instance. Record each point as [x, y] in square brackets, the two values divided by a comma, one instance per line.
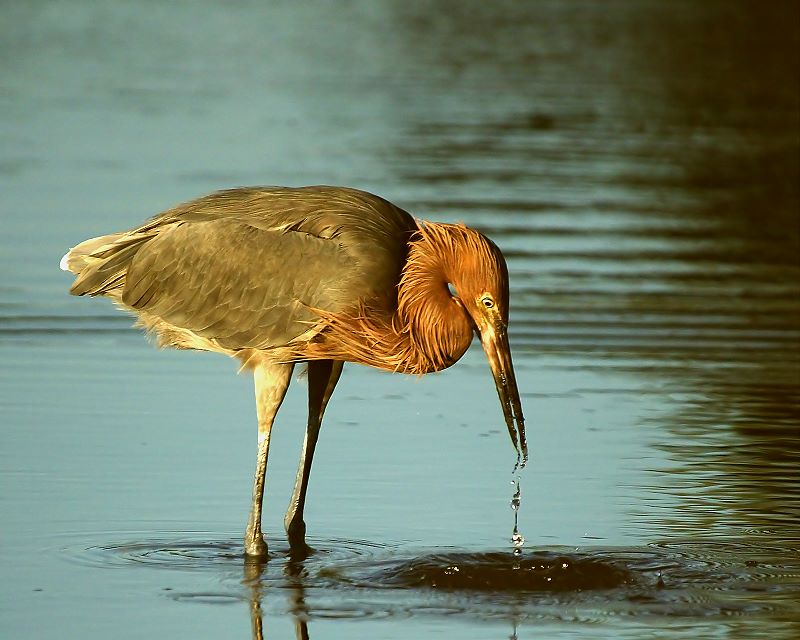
[343, 578]
[198, 551]
[539, 571]
[209, 598]
[160, 552]
[664, 579]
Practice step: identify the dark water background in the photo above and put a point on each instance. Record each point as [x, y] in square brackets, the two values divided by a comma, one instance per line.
[639, 164]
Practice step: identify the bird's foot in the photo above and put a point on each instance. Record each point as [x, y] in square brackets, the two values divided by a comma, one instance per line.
[296, 533]
[255, 546]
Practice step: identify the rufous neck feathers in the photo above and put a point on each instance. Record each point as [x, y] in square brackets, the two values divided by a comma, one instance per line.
[428, 331]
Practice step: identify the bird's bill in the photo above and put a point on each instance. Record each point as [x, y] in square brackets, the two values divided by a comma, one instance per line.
[495, 345]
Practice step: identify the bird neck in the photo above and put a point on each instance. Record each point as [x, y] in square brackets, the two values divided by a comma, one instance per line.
[428, 330]
[434, 323]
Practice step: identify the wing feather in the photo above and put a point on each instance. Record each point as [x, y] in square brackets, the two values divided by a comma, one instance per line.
[246, 267]
[243, 287]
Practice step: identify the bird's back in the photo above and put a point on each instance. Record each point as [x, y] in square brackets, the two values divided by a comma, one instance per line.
[245, 268]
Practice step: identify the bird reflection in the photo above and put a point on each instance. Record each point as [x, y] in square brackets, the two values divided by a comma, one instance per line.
[295, 580]
[294, 572]
[253, 568]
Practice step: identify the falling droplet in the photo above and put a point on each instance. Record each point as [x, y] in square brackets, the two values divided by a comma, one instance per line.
[517, 539]
[515, 499]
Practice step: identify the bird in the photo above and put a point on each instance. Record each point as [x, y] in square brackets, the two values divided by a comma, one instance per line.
[320, 275]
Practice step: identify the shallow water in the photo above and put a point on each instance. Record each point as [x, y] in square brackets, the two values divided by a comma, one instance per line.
[638, 163]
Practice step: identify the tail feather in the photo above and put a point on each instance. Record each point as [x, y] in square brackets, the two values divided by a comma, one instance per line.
[77, 258]
[101, 263]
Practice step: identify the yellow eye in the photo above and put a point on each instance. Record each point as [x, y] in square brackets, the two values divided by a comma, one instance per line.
[487, 302]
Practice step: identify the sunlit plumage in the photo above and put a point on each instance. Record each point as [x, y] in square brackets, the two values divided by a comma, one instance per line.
[275, 276]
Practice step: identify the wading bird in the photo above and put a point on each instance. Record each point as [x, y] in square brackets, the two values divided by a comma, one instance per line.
[275, 276]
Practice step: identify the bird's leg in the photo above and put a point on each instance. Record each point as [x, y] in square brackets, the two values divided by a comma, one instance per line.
[271, 381]
[322, 378]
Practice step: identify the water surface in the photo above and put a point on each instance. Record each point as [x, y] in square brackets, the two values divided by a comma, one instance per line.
[639, 165]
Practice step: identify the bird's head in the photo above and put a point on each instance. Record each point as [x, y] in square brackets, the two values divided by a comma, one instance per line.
[479, 283]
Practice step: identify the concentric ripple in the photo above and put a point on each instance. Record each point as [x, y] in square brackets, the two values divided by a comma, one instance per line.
[161, 553]
[343, 578]
[201, 551]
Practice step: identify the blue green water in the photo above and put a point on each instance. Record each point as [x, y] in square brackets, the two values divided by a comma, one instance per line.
[638, 163]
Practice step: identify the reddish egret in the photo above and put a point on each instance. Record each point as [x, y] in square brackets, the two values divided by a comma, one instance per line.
[324, 275]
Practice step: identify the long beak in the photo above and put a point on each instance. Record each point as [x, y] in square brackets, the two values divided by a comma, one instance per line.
[495, 343]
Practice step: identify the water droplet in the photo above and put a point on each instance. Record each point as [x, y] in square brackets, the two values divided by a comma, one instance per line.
[517, 497]
[517, 539]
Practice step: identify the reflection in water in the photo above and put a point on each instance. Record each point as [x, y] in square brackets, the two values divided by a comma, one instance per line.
[675, 579]
[638, 162]
[253, 569]
[494, 573]
[646, 189]
[351, 579]
[293, 570]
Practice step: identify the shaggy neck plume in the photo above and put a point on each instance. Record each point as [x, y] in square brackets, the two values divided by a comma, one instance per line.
[428, 331]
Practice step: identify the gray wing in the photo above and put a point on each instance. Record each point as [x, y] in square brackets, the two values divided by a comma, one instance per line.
[247, 267]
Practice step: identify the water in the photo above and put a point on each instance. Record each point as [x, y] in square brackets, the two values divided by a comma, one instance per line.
[517, 539]
[638, 163]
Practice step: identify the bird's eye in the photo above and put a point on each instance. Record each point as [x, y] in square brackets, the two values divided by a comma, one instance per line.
[487, 302]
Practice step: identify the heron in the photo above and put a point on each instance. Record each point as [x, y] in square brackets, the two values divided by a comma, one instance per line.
[322, 275]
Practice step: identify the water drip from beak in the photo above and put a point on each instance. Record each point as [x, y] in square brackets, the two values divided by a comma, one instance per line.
[517, 539]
